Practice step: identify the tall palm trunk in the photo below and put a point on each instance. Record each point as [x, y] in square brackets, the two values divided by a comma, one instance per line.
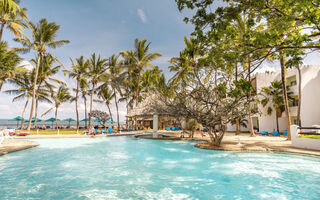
[91, 100]
[116, 102]
[237, 119]
[110, 111]
[127, 106]
[284, 93]
[85, 111]
[22, 115]
[252, 134]
[1, 31]
[36, 110]
[277, 121]
[56, 116]
[77, 112]
[34, 90]
[300, 97]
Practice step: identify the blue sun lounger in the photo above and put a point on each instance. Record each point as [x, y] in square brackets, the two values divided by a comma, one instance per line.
[285, 133]
[178, 129]
[264, 133]
[111, 130]
[168, 128]
[173, 128]
[104, 130]
[275, 133]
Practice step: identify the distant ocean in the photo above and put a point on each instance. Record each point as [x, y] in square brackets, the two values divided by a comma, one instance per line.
[6, 123]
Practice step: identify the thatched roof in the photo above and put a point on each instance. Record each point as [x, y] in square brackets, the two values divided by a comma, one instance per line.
[152, 105]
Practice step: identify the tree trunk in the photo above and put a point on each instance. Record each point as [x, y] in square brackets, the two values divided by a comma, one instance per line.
[77, 112]
[237, 119]
[110, 113]
[85, 111]
[127, 112]
[1, 31]
[299, 98]
[91, 100]
[116, 102]
[277, 121]
[36, 110]
[56, 116]
[24, 110]
[284, 93]
[252, 134]
[34, 91]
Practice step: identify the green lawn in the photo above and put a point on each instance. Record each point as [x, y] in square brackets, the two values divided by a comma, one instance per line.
[54, 132]
[310, 136]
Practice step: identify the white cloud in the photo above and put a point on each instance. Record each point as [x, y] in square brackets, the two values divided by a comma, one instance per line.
[26, 64]
[142, 15]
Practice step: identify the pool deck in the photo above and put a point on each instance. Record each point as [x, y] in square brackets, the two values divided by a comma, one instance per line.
[9, 146]
[230, 142]
[259, 143]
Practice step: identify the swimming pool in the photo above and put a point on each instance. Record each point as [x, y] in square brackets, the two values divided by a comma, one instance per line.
[126, 168]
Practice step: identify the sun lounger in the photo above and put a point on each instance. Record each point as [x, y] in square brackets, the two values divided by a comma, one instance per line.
[285, 133]
[178, 129]
[111, 130]
[104, 130]
[275, 133]
[264, 133]
[168, 128]
[23, 134]
[173, 128]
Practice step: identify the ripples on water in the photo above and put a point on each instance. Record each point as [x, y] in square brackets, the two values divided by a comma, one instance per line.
[123, 168]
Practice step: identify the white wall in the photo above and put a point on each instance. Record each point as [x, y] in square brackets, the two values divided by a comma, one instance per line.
[306, 143]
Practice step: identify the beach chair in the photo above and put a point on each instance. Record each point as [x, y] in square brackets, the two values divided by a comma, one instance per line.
[285, 133]
[103, 130]
[168, 128]
[111, 130]
[173, 128]
[23, 134]
[264, 133]
[275, 133]
[178, 129]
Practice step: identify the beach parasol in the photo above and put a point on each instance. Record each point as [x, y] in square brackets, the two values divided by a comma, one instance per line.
[52, 119]
[111, 122]
[17, 119]
[69, 120]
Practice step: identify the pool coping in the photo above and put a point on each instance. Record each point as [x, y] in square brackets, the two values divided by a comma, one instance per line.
[9, 146]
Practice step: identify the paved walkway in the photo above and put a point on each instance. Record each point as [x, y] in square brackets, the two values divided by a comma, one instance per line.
[9, 146]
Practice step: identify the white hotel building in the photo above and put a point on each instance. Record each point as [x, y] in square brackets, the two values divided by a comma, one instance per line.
[310, 105]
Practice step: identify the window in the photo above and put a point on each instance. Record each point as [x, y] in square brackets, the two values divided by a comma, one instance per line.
[293, 83]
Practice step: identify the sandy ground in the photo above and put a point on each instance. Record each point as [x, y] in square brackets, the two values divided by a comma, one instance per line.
[230, 142]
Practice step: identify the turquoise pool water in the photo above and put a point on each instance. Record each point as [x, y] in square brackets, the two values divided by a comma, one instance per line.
[126, 168]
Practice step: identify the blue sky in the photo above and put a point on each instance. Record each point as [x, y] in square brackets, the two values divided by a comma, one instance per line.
[105, 27]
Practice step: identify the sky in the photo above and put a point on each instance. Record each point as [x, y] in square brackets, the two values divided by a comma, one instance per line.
[106, 27]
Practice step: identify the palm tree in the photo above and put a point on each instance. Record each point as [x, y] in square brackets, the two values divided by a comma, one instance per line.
[106, 95]
[24, 82]
[45, 77]
[274, 94]
[14, 17]
[9, 61]
[97, 68]
[84, 92]
[43, 34]
[139, 59]
[115, 79]
[78, 72]
[59, 97]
